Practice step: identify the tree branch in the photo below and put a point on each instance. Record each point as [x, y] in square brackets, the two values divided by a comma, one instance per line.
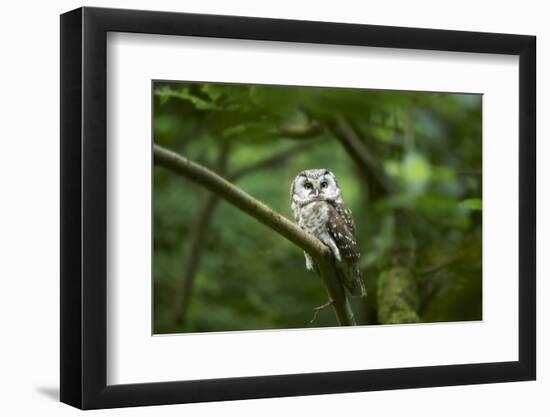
[360, 154]
[265, 215]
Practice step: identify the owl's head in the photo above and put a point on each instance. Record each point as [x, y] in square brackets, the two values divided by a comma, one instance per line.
[315, 184]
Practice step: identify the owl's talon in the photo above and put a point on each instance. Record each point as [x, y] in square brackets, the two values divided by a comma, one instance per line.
[309, 262]
[319, 308]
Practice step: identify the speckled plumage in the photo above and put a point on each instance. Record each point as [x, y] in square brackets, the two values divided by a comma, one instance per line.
[319, 210]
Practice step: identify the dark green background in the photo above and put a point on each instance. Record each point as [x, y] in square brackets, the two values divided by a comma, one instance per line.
[421, 243]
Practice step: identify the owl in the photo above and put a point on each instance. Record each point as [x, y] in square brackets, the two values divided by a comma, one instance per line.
[319, 210]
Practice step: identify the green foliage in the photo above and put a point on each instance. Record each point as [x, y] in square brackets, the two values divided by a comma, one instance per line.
[421, 243]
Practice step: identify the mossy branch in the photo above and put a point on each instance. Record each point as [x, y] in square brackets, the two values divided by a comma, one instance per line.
[267, 216]
[398, 299]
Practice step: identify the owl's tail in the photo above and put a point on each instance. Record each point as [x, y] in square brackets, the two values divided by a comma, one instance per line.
[353, 281]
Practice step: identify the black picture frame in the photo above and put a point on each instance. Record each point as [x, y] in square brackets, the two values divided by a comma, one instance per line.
[84, 207]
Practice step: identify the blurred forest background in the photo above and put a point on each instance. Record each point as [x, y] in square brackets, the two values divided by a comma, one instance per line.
[409, 166]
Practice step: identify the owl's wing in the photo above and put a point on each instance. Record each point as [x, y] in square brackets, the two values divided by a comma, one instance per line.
[341, 229]
[345, 214]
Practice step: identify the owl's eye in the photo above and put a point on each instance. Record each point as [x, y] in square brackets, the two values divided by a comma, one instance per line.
[324, 184]
[308, 186]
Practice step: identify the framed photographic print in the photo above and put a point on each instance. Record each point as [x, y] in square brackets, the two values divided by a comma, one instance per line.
[257, 208]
